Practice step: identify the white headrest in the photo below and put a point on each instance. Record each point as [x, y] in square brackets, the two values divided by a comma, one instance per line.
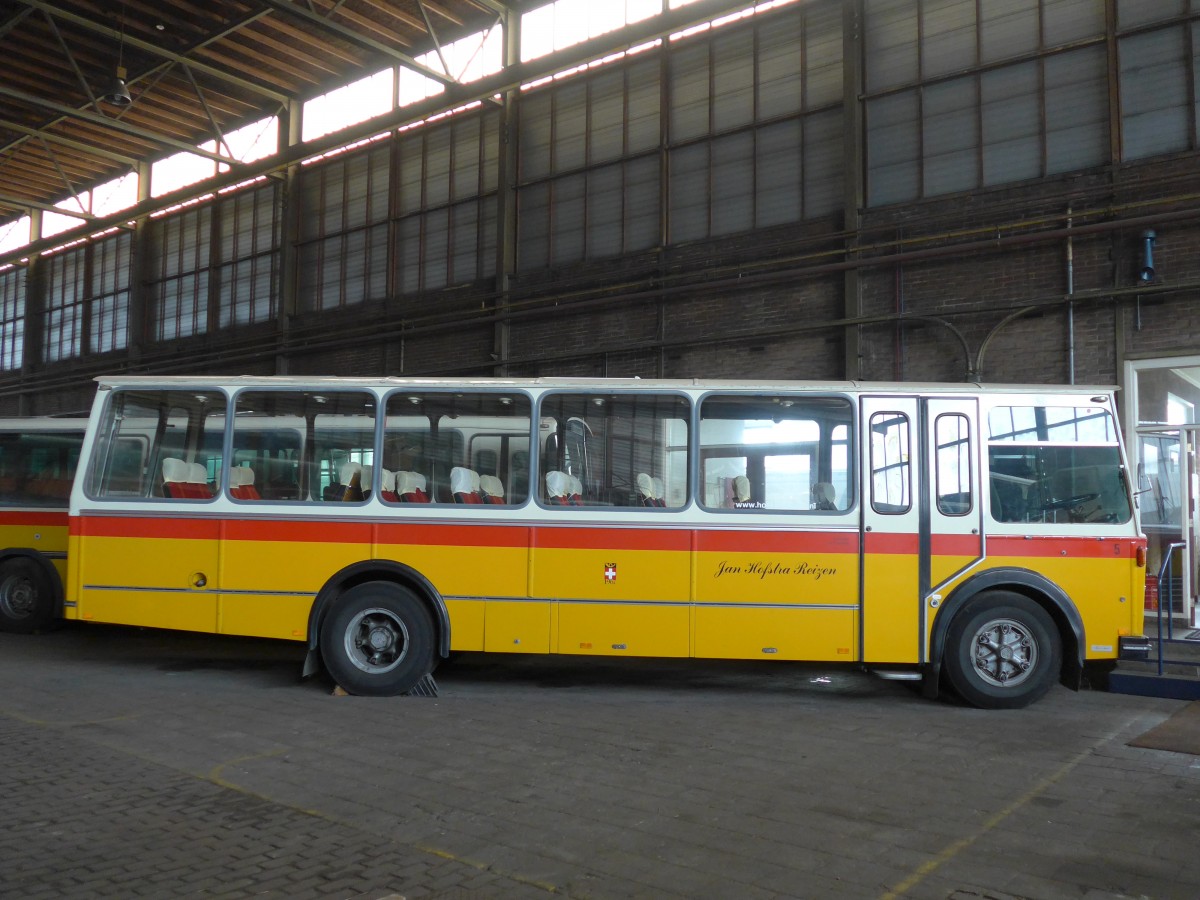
[645, 486]
[364, 480]
[558, 484]
[387, 480]
[576, 486]
[823, 492]
[240, 475]
[491, 485]
[463, 481]
[741, 488]
[409, 482]
[659, 492]
[348, 471]
[174, 469]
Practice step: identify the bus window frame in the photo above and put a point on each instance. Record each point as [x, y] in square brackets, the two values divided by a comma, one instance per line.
[530, 400]
[537, 475]
[851, 442]
[307, 465]
[100, 453]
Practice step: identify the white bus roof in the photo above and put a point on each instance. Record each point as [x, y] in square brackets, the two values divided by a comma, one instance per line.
[387, 382]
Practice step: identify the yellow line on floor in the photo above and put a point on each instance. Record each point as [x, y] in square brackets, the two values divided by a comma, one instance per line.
[952, 850]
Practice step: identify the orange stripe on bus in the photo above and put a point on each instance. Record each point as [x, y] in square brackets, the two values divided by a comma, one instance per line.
[610, 539]
[777, 541]
[47, 517]
[454, 535]
[1090, 548]
[880, 542]
[298, 531]
[956, 545]
[140, 527]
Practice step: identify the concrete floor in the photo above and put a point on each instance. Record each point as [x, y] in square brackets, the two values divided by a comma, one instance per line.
[139, 763]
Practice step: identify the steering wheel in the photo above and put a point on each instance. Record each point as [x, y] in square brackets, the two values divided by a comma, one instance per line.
[1068, 502]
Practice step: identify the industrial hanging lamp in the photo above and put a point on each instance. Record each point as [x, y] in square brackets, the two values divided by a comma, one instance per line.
[116, 93]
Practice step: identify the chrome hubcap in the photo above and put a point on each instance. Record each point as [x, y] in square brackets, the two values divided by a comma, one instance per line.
[376, 641]
[1005, 652]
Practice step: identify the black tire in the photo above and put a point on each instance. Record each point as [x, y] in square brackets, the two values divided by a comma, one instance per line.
[27, 596]
[1003, 651]
[378, 640]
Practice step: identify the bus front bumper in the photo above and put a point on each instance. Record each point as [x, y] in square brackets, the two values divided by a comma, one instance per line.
[1133, 647]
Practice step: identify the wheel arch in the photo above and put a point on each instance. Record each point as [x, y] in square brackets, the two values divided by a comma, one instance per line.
[43, 562]
[375, 570]
[1038, 588]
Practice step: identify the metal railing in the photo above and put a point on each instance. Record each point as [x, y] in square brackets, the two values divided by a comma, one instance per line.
[1166, 601]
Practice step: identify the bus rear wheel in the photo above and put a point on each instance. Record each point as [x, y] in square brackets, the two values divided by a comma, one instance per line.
[26, 596]
[377, 640]
[1003, 651]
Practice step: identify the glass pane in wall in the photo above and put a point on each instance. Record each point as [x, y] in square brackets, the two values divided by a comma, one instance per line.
[733, 80]
[1012, 143]
[1139, 12]
[822, 54]
[890, 43]
[893, 149]
[1076, 110]
[1154, 93]
[947, 36]
[1071, 20]
[1007, 28]
[951, 136]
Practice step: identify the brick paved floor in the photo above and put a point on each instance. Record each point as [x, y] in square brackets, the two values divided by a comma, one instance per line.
[137, 763]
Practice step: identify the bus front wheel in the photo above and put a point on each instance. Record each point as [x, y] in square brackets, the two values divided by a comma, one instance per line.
[26, 596]
[1003, 651]
[377, 640]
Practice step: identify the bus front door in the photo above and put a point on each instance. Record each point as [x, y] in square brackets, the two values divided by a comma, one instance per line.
[920, 516]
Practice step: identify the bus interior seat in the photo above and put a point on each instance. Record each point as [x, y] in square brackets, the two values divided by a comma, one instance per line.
[198, 481]
[645, 489]
[411, 487]
[349, 484]
[575, 491]
[241, 484]
[491, 489]
[387, 486]
[558, 488]
[464, 485]
[175, 478]
[824, 496]
[365, 482]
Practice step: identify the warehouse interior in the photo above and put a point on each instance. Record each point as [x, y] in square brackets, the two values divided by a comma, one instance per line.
[887, 190]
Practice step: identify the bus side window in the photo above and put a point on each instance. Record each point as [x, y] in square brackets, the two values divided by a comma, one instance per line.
[437, 441]
[953, 465]
[604, 444]
[141, 428]
[891, 465]
[785, 452]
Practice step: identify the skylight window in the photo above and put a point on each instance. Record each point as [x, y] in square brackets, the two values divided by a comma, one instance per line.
[568, 22]
[469, 59]
[363, 99]
[14, 234]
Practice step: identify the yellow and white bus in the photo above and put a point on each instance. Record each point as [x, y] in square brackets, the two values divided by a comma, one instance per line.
[982, 536]
[38, 457]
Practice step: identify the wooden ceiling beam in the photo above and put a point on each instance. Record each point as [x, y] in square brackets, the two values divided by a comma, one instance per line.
[362, 40]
